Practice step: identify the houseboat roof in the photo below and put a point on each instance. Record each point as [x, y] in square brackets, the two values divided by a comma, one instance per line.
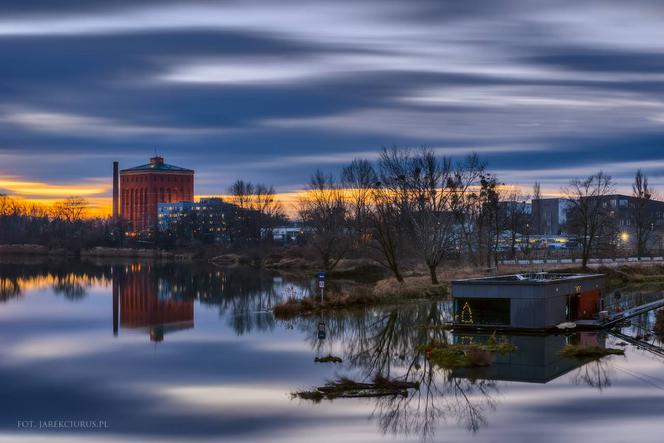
[528, 278]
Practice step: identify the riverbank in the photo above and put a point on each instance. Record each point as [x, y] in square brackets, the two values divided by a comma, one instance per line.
[383, 292]
[97, 252]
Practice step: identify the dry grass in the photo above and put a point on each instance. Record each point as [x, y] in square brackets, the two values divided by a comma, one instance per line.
[412, 287]
[594, 352]
[309, 305]
[293, 307]
[386, 292]
[478, 357]
[499, 344]
[449, 356]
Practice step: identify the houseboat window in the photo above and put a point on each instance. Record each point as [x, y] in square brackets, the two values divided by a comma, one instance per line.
[482, 311]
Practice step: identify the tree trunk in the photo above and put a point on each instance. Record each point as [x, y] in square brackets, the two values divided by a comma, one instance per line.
[432, 272]
[397, 275]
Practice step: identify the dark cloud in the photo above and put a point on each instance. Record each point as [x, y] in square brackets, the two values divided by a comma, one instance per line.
[256, 89]
[602, 60]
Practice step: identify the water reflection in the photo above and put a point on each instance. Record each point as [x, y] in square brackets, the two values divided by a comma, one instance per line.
[229, 369]
[62, 276]
[159, 296]
[144, 304]
[386, 343]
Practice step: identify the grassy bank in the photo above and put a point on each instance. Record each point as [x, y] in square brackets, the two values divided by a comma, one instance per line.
[384, 292]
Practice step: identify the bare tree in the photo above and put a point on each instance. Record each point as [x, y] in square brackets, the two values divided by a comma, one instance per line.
[359, 181]
[375, 214]
[241, 193]
[388, 233]
[642, 216]
[589, 209]
[389, 221]
[5, 205]
[536, 204]
[269, 211]
[71, 210]
[259, 210]
[468, 205]
[324, 211]
[426, 187]
[515, 216]
[490, 222]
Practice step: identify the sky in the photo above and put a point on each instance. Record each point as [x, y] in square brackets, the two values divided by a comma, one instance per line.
[269, 91]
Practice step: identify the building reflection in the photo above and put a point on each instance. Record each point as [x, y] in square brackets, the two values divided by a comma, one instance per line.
[140, 302]
[538, 359]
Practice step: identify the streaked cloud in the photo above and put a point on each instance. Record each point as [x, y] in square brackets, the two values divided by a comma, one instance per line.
[270, 92]
[33, 189]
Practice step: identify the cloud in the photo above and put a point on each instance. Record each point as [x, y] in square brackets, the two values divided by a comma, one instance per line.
[268, 93]
[27, 188]
[75, 125]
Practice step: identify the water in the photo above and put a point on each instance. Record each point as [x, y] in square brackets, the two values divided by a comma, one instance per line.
[193, 353]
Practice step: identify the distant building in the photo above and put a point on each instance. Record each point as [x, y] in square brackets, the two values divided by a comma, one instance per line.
[288, 233]
[549, 216]
[207, 219]
[554, 213]
[513, 205]
[143, 187]
[623, 207]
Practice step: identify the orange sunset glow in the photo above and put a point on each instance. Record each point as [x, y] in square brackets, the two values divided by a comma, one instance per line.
[100, 203]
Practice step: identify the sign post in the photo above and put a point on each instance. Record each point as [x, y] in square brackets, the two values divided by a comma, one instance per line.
[321, 284]
[321, 325]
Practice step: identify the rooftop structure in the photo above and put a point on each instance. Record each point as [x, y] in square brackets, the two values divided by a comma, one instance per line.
[157, 164]
[527, 301]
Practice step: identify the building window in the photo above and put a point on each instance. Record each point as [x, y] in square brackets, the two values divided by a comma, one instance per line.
[482, 311]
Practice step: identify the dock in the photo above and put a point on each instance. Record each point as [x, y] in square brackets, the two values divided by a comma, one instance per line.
[618, 317]
[633, 312]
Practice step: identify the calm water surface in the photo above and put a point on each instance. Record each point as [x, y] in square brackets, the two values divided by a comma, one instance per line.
[193, 353]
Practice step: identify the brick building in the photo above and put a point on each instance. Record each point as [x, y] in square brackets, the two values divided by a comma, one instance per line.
[143, 187]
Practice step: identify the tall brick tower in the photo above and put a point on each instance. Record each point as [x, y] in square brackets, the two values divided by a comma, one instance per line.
[143, 187]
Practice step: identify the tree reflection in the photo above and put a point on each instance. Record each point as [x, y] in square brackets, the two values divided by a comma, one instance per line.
[386, 344]
[595, 374]
[69, 285]
[9, 288]
[245, 296]
[64, 277]
[440, 397]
